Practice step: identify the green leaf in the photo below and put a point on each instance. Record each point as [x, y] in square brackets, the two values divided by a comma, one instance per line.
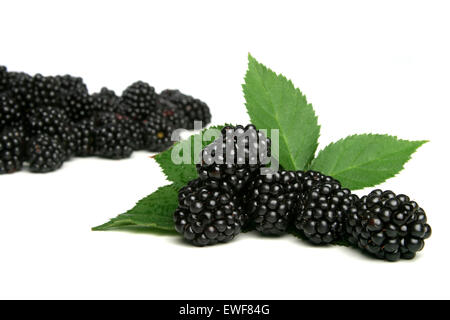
[154, 211]
[274, 103]
[366, 160]
[184, 172]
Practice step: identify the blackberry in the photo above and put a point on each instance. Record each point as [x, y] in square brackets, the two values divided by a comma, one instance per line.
[112, 141]
[70, 83]
[45, 154]
[322, 212]
[172, 113]
[49, 120]
[4, 79]
[310, 179]
[84, 131]
[9, 110]
[105, 101]
[271, 200]
[135, 131]
[235, 157]
[11, 152]
[207, 215]
[195, 109]
[388, 226]
[139, 100]
[157, 133]
[77, 104]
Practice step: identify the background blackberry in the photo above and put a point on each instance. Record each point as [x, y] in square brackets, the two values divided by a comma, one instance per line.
[157, 133]
[322, 212]
[172, 113]
[105, 101]
[271, 200]
[76, 104]
[45, 154]
[70, 83]
[310, 179]
[49, 120]
[194, 109]
[246, 161]
[207, 215]
[139, 100]
[388, 226]
[112, 141]
[10, 111]
[84, 133]
[11, 151]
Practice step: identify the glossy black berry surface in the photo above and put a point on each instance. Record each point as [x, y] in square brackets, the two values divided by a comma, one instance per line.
[388, 226]
[236, 157]
[207, 215]
[322, 212]
[45, 154]
[270, 201]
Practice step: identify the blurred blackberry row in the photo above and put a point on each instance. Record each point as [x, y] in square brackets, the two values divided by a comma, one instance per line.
[45, 120]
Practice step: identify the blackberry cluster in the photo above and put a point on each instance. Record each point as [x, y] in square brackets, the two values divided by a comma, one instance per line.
[210, 207]
[232, 196]
[195, 109]
[271, 200]
[59, 112]
[322, 212]
[388, 226]
[207, 215]
[235, 157]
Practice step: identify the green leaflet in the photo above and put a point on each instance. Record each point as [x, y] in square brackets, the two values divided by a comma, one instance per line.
[154, 211]
[274, 103]
[360, 161]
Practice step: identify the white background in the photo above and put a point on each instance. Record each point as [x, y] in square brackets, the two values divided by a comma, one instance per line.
[366, 66]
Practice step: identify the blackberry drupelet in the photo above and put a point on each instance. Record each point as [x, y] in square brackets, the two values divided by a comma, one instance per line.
[10, 111]
[388, 226]
[105, 101]
[271, 200]
[322, 211]
[157, 133]
[207, 215]
[235, 157]
[112, 141]
[194, 109]
[11, 150]
[172, 113]
[139, 100]
[45, 154]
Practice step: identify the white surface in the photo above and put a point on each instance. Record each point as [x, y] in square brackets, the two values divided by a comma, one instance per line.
[379, 67]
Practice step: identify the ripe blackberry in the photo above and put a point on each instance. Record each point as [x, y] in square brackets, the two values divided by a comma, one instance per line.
[207, 215]
[49, 120]
[39, 91]
[84, 131]
[157, 133]
[310, 179]
[9, 110]
[322, 212]
[172, 113]
[71, 83]
[139, 100]
[112, 141]
[271, 200]
[105, 101]
[77, 104]
[235, 157]
[4, 79]
[45, 154]
[195, 109]
[388, 226]
[11, 151]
